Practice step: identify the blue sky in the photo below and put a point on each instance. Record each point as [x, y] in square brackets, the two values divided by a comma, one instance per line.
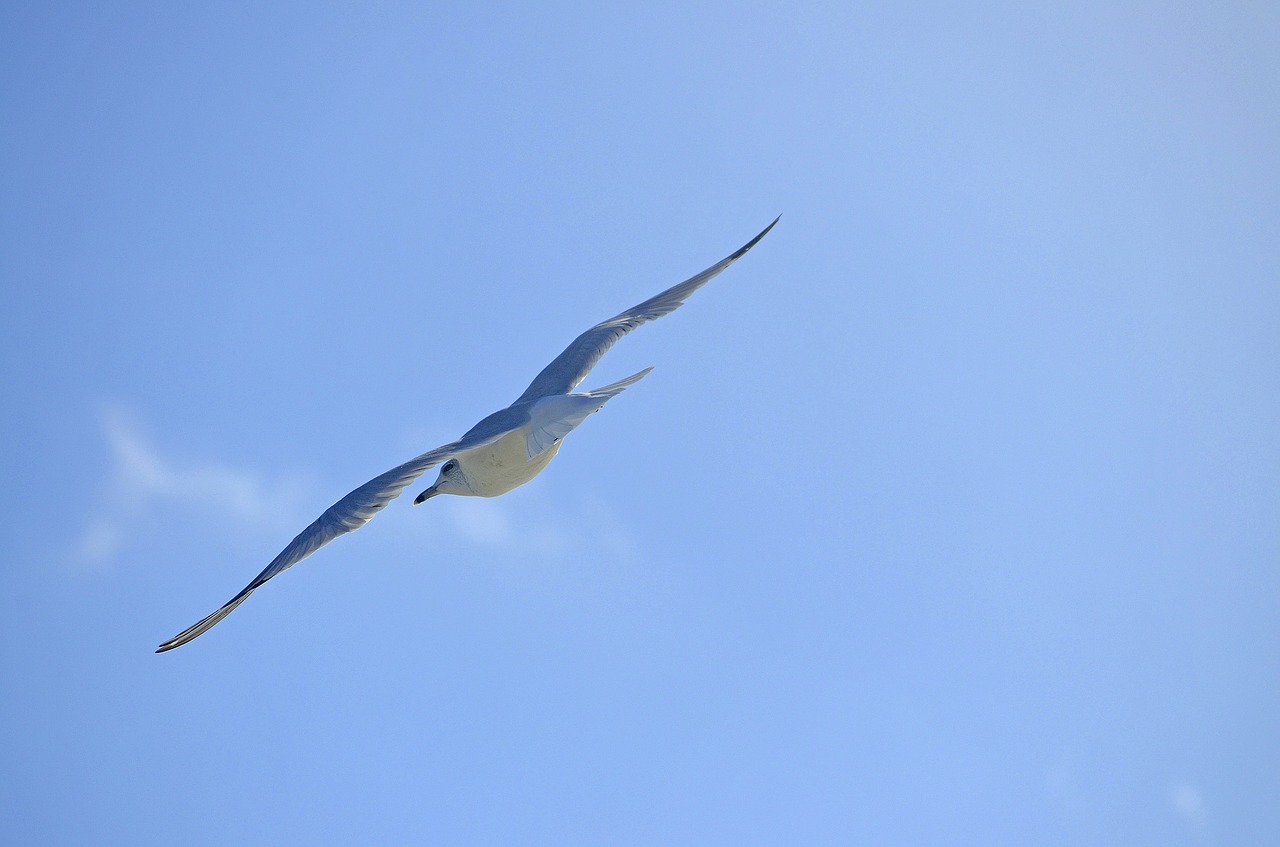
[950, 514]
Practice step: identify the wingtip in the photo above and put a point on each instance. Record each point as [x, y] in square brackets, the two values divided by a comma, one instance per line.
[752, 243]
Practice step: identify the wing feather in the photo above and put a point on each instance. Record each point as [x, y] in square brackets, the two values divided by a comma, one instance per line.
[347, 515]
[570, 367]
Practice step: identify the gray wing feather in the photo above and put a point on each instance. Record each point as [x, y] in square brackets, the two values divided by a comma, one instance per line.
[570, 367]
[348, 514]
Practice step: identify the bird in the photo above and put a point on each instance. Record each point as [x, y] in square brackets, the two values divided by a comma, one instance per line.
[504, 450]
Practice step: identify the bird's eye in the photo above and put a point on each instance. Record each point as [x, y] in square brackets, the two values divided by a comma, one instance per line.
[449, 466]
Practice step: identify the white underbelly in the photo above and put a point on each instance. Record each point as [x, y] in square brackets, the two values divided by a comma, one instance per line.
[501, 466]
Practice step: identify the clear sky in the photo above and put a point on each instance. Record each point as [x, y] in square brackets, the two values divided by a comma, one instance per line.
[949, 515]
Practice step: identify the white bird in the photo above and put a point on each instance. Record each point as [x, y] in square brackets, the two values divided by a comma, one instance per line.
[505, 450]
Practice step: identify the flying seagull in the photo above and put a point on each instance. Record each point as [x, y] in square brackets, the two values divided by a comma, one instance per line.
[505, 450]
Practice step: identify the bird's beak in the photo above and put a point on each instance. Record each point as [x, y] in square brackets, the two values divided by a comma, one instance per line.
[426, 495]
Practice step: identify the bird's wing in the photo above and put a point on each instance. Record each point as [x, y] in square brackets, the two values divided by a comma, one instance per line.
[348, 514]
[568, 369]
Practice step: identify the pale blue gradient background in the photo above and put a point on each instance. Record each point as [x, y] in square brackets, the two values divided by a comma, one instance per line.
[950, 515]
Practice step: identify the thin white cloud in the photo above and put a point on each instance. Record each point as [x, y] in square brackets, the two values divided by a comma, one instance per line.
[486, 523]
[142, 479]
[540, 523]
[243, 501]
[1188, 803]
[99, 542]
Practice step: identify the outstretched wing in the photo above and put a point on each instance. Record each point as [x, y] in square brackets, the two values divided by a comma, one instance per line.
[568, 369]
[348, 514]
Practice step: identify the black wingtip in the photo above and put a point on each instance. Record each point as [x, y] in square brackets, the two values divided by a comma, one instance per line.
[752, 243]
[171, 644]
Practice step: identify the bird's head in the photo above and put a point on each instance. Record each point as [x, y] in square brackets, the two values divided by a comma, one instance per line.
[450, 481]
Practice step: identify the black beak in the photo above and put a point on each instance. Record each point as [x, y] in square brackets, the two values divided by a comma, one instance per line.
[426, 495]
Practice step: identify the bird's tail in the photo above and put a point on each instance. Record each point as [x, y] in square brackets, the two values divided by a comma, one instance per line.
[616, 388]
[555, 417]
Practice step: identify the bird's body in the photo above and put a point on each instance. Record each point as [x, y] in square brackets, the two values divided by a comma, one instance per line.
[501, 466]
[503, 451]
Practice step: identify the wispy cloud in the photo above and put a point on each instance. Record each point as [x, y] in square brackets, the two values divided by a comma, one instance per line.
[487, 523]
[1188, 802]
[142, 479]
[542, 524]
